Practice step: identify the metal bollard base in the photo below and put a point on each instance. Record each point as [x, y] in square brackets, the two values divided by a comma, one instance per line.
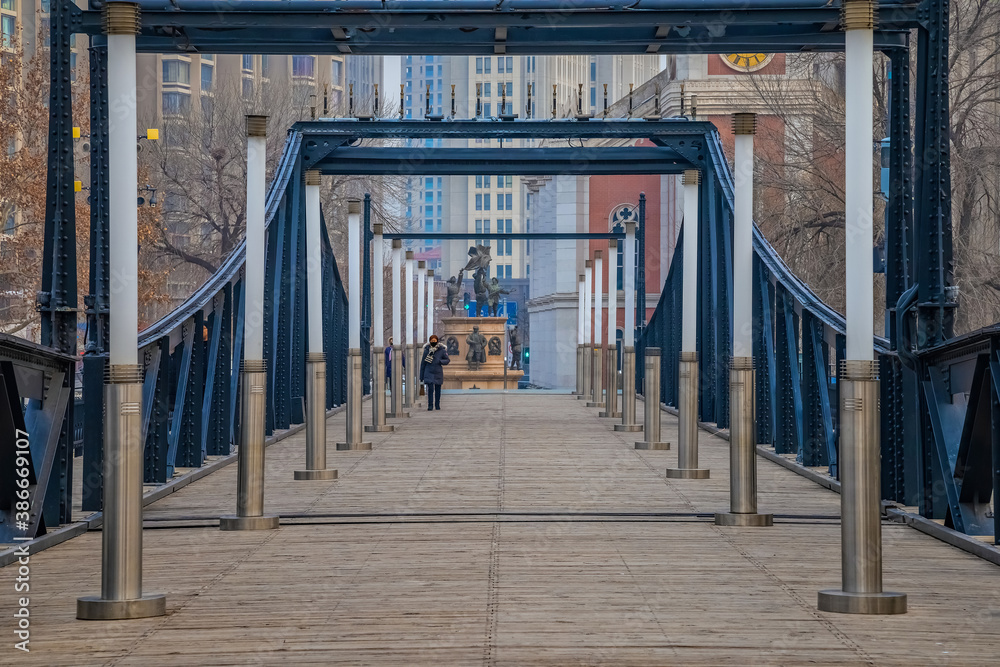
[687, 473]
[398, 415]
[354, 447]
[628, 428]
[316, 475]
[750, 519]
[842, 602]
[611, 415]
[657, 446]
[233, 522]
[380, 428]
[96, 609]
[595, 405]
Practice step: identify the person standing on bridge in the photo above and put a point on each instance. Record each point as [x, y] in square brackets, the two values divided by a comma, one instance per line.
[433, 361]
[388, 364]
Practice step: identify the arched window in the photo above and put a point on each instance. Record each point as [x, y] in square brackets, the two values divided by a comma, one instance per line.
[619, 216]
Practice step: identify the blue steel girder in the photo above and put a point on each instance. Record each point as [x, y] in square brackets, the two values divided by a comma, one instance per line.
[487, 27]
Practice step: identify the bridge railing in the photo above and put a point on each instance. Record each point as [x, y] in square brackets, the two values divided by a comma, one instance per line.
[36, 405]
[192, 356]
[943, 467]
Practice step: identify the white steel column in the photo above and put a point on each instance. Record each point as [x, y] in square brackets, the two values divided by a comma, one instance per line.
[430, 303]
[315, 358]
[354, 389]
[121, 541]
[611, 355]
[628, 335]
[378, 424]
[860, 504]
[596, 383]
[742, 379]
[687, 440]
[418, 345]
[588, 355]
[579, 336]
[410, 393]
[398, 353]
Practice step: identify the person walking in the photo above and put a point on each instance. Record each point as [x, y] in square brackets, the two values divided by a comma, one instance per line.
[434, 359]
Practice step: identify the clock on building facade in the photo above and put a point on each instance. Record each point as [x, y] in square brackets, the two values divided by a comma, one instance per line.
[746, 62]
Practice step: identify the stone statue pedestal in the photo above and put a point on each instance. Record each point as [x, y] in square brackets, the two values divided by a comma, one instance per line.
[489, 375]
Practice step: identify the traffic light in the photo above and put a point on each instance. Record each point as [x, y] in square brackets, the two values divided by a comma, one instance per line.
[466, 300]
[527, 351]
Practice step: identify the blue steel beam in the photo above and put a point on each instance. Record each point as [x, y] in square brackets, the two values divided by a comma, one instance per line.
[528, 27]
[519, 161]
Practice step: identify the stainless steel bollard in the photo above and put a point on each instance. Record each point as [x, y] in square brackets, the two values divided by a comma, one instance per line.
[121, 537]
[597, 379]
[687, 440]
[378, 424]
[250, 458]
[396, 391]
[354, 428]
[579, 370]
[742, 449]
[588, 359]
[611, 384]
[860, 503]
[651, 403]
[628, 424]
[316, 421]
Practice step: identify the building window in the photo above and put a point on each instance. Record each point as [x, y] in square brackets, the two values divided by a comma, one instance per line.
[486, 64]
[593, 97]
[500, 65]
[7, 30]
[429, 197]
[8, 224]
[338, 71]
[486, 226]
[593, 71]
[479, 181]
[247, 62]
[428, 210]
[510, 64]
[510, 181]
[486, 180]
[487, 110]
[479, 226]
[176, 71]
[11, 5]
[303, 66]
[247, 88]
[176, 103]
[207, 71]
[486, 90]
[265, 66]
[479, 63]
[509, 198]
[479, 202]
[499, 202]
[486, 203]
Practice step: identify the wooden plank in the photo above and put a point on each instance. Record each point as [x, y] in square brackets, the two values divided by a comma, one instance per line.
[509, 530]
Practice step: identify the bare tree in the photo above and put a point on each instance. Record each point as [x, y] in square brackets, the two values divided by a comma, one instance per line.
[200, 166]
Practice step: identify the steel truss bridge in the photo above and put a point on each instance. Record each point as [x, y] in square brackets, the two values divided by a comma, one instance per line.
[940, 425]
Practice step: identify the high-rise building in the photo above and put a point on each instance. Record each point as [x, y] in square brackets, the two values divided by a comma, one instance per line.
[364, 73]
[490, 87]
[175, 85]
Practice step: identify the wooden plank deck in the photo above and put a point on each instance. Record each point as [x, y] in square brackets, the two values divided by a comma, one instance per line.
[507, 530]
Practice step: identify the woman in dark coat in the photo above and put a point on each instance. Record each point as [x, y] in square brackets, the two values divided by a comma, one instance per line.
[432, 363]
